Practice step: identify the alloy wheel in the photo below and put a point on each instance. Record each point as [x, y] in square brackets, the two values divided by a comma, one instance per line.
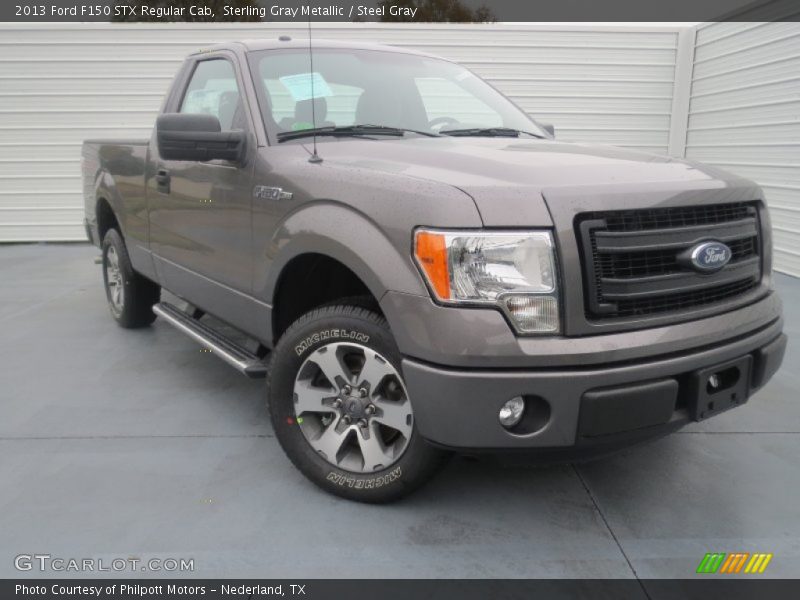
[116, 291]
[352, 407]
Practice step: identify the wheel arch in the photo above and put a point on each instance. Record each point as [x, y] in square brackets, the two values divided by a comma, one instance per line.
[108, 205]
[311, 280]
[105, 217]
[361, 253]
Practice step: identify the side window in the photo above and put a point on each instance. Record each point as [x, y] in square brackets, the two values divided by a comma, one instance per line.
[213, 90]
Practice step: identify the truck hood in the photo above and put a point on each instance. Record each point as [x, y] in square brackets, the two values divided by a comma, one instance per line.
[509, 177]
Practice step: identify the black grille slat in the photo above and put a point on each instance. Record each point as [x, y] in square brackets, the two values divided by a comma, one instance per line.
[677, 217]
[635, 260]
[676, 237]
[640, 287]
[683, 301]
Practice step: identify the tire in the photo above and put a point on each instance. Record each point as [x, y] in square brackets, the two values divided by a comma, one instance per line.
[130, 296]
[379, 456]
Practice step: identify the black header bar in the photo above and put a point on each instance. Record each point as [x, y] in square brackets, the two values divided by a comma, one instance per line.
[709, 588]
[412, 11]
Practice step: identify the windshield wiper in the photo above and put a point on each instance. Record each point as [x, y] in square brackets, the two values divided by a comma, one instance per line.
[394, 129]
[348, 130]
[489, 132]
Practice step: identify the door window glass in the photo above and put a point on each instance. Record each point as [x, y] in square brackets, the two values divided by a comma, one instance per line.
[213, 91]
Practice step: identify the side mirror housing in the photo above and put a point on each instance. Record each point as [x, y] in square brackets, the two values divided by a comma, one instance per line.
[548, 127]
[197, 137]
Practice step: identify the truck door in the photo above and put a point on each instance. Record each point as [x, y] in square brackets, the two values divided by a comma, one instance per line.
[200, 212]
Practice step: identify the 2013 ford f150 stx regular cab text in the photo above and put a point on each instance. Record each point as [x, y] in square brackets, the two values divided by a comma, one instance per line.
[416, 266]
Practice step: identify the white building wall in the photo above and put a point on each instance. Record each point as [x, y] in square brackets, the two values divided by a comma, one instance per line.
[61, 83]
[744, 116]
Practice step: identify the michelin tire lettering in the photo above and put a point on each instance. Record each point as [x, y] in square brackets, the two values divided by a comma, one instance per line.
[329, 334]
[367, 483]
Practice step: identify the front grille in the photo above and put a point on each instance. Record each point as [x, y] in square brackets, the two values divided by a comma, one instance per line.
[635, 262]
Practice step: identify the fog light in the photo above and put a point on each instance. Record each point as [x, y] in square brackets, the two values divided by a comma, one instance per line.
[533, 314]
[511, 412]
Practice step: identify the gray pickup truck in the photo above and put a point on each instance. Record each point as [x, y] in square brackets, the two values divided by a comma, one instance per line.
[418, 267]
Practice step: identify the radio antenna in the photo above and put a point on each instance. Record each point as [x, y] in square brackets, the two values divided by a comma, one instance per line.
[314, 158]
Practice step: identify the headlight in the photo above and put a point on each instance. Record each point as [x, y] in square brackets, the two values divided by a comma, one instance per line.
[513, 270]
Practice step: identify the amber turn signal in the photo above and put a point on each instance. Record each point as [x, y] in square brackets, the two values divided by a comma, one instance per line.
[430, 250]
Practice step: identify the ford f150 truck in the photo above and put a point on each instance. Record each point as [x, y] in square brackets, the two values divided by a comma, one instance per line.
[418, 267]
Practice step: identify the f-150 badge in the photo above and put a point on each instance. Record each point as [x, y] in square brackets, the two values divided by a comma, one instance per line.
[271, 193]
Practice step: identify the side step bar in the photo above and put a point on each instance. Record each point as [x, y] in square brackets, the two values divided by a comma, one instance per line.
[232, 353]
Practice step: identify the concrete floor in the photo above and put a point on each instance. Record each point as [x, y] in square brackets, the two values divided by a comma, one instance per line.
[122, 443]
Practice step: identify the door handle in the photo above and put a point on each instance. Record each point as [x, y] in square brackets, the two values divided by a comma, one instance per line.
[162, 179]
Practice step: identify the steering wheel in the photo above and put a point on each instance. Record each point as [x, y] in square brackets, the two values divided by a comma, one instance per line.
[441, 122]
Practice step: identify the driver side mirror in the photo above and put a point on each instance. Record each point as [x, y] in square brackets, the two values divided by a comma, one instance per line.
[197, 137]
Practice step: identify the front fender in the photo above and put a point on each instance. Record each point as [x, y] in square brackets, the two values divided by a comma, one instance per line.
[350, 237]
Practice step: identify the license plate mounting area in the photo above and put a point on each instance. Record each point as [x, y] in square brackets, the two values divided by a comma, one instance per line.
[720, 387]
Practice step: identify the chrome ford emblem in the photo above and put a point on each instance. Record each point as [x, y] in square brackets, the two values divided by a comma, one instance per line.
[710, 256]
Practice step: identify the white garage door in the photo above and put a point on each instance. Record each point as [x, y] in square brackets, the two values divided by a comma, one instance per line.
[61, 83]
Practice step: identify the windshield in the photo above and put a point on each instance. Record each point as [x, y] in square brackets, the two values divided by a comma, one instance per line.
[371, 87]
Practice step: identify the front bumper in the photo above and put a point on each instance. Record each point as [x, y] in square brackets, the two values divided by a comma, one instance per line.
[592, 407]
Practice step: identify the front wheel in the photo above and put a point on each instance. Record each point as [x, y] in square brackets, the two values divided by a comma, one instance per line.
[341, 410]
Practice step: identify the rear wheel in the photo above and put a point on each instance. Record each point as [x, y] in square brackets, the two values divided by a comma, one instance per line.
[130, 296]
[341, 410]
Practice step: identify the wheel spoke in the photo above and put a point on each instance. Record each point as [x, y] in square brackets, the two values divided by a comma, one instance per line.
[374, 370]
[113, 260]
[310, 399]
[330, 441]
[394, 415]
[373, 451]
[329, 362]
